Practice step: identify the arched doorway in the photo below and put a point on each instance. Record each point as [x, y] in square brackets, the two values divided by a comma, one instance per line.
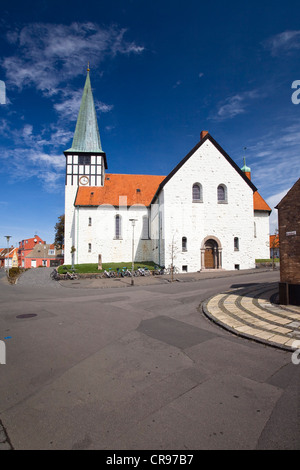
[211, 253]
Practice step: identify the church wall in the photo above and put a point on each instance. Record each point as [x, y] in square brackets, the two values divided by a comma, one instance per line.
[70, 194]
[96, 235]
[261, 235]
[198, 220]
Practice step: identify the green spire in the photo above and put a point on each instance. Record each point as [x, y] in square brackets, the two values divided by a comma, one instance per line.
[86, 137]
[246, 169]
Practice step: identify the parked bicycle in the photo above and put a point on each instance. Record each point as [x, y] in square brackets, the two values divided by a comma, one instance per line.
[71, 276]
[159, 271]
[54, 275]
[143, 271]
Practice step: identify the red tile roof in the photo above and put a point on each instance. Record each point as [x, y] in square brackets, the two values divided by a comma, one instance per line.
[127, 190]
[274, 241]
[259, 203]
[132, 189]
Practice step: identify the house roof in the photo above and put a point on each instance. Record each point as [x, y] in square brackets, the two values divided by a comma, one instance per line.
[86, 137]
[120, 190]
[290, 195]
[127, 190]
[259, 204]
[42, 251]
[274, 241]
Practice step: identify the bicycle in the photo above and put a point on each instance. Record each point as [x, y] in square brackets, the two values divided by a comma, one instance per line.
[159, 271]
[71, 276]
[54, 275]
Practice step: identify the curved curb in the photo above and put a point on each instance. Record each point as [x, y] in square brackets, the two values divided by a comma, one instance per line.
[228, 328]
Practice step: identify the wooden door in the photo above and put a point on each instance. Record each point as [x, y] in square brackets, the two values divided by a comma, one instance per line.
[209, 258]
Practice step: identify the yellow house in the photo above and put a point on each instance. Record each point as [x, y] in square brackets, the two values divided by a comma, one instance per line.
[14, 258]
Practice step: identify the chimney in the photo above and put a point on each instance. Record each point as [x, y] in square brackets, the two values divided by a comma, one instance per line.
[203, 134]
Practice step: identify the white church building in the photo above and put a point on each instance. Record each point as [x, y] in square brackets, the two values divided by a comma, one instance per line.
[206, 214]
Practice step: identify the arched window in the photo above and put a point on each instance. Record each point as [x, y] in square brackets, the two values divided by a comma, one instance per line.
[236, 244]
[184, 244]
[197, 192]
[118, 220]
[222, 193]
[145, 232]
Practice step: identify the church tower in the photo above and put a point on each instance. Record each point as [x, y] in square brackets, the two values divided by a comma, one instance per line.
[85, 164]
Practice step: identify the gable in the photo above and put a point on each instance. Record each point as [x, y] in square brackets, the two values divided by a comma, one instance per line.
[291, 195]
[191, 153]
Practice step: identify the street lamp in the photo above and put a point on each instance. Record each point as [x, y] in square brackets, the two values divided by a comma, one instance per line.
[7, 238]
[132, 268]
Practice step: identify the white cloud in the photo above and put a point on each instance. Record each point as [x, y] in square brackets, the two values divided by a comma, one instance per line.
[235, 105]
[49, 54]
[283, 43]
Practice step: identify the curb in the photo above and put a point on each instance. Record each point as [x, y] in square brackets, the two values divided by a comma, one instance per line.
[203, 307]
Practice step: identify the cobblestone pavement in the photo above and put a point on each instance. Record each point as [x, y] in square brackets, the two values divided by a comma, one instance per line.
[253, 313]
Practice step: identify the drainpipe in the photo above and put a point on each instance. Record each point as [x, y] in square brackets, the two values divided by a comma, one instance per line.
[77, 234]
[159, 229]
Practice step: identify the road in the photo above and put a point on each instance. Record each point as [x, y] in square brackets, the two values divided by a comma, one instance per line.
[139, 368]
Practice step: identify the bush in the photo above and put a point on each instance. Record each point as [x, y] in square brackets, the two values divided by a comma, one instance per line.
[14, 272]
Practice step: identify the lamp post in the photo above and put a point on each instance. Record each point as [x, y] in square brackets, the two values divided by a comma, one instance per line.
[7, 238]
[132, 268]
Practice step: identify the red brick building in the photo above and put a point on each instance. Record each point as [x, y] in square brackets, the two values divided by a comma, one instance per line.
[26, 246]
[289, 241]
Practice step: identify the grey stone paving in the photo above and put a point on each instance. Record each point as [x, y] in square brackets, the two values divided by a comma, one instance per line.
[251, 313]
[38, 277]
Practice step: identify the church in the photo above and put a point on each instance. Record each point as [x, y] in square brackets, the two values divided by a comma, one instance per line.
[205, 214]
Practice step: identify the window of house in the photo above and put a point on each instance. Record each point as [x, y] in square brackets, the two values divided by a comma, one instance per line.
[222, 193]
[145, 232]
[84, 159]
[90, 221]
[90, 248]
[118, 226]
[184, 244]
[51, 252]
[185, 269]
[236, 244]
[197, 192]
[255, 235]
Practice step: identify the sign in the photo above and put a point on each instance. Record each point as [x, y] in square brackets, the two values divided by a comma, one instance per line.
[290, 234]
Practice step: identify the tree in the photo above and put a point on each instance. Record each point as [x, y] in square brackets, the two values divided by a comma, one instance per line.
[60, 231]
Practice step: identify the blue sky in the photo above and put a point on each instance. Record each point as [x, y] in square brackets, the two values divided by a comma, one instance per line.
[161, 72]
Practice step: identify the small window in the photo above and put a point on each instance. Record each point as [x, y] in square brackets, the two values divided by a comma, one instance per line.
[90, 221]
[84, 160]
[90, 248]
[185, 269]
[118, 227]
[222, 193]
[197, 192]
[236, 244]
[184, 244]
[237, 267]
[145, 232]
[255, 236]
